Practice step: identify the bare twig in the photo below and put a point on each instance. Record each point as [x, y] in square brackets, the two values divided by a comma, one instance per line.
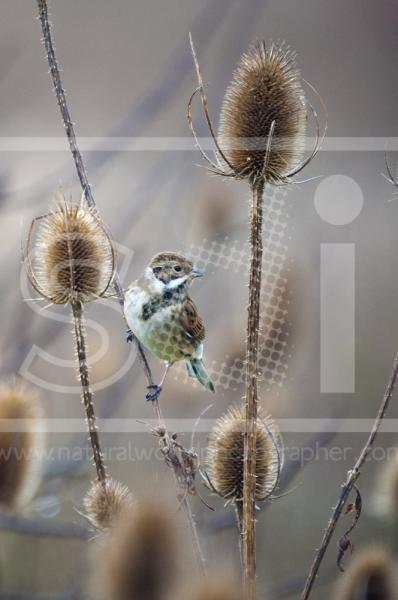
[87, 397]
[349, 484]
[183, 462]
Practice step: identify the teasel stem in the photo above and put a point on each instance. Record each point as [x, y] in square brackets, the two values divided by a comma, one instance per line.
[348, 485]
[251, 402]
[77, 156]
[87, 395]
[239, 523]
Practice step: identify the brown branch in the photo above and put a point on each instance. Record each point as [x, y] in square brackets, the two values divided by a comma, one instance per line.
[352, 477]
[253, 324]
[87, 396]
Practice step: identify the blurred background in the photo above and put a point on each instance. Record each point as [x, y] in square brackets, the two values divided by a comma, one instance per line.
[128, 73]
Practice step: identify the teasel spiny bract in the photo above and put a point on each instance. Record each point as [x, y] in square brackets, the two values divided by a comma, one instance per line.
[20, 449]
[72, 260]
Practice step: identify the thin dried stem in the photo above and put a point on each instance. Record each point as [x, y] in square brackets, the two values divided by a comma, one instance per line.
[77, 157]
[87, 395]
[173, 453]
[349, 484]
[253, 324]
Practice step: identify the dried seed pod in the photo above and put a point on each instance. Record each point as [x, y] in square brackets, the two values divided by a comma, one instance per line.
[371, 575]
[225, 454]
[263, 117]
[19, 449]
[140, 560]
[105, 501]
[72, 258]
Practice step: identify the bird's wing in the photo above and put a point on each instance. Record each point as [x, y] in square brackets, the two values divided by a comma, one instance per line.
[191, 321]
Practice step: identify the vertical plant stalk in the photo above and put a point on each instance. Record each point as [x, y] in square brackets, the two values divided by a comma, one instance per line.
[239, 525]
[352, 477]
[77, 156]
[251, 405]
[87, 396]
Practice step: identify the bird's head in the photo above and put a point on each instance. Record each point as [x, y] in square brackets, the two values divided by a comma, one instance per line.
[172, 269]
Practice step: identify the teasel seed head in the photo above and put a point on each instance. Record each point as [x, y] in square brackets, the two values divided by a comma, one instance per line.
[225, 453]
[263, 104]
[20, 449]
[372, 574]
[72, 258]
[105, 501]
[141, 556]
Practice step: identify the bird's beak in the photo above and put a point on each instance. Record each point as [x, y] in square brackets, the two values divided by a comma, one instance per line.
[196, 272]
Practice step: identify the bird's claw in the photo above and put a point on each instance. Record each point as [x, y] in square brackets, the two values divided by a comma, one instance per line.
[129, 336]
[154, 392]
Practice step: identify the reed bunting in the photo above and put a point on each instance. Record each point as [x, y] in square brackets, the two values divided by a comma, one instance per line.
[163, 317]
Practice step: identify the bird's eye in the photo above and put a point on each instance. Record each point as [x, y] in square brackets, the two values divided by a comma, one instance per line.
[177, 268]
[157, 269]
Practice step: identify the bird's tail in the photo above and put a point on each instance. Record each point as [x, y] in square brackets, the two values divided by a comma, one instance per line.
[196, 368]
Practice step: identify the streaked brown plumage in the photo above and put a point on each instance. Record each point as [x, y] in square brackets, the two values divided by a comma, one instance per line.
[161, 314]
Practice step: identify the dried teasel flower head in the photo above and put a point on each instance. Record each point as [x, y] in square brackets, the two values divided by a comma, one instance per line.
[20, 448]
[105, 501]
[225, 452]
[140, 559]
[72, 258]
[371, 575]
[263, 117]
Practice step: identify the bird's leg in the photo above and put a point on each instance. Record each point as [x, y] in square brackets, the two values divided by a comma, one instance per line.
[155, 389]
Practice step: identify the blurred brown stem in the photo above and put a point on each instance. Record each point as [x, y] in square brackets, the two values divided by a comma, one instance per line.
[352, 476]
[253, 324]
[87, 396]
[77, 157]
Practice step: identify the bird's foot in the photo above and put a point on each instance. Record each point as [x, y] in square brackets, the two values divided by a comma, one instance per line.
[129, 336]
[154, 392]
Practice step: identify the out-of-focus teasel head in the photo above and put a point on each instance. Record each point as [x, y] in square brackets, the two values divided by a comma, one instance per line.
[263, 118]
[372, 575]
[20, 445]
[140, 556]
[69, 255]
[225, 453]
[105, 501]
